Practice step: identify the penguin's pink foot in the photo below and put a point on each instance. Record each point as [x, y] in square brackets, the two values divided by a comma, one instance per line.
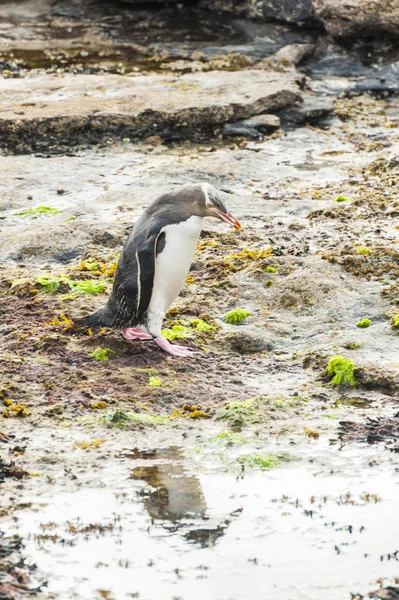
[163, 343]
[135, 333]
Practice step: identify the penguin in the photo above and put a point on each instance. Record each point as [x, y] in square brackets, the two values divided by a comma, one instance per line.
[154, 263]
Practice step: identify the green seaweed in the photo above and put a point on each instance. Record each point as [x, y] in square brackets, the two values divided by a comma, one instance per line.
[177, 332]
[86, 286]
[341, 198]
[119, 418]
[201, 325]
[154, 382]
[240, 413]
[265, 461]
[363, 250]
[237, 315]
[270, 269]
[37, 211]
[101, 353]
[395, 320]
[363, 323]
[342, 371]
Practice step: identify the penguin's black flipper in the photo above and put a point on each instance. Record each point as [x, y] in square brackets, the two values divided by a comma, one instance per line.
[146, 256]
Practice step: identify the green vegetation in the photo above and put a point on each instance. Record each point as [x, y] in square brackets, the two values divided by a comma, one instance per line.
[154, 382]
[86, 286]
[363, 323]
[363, 250]
[101, 353]
[341, 198]
[265, 461]
[268, 283]
[37, 212]
[240, 413]
[270, 269]
[237, 315]
[395, 320]
[201, 325]
[342, 371]
[177, 332]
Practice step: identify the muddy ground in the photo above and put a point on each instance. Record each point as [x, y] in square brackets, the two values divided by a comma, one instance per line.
[247, 471]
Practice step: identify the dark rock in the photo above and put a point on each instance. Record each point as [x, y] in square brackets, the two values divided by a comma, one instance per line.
[240, 129]
[312, 110]
[263, 123]
[290, 11]
[246, 340]
[294, 53]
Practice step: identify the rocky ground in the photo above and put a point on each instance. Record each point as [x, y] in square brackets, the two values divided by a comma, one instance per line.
[117, 459]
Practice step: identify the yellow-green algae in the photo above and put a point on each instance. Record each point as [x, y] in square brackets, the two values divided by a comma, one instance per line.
[230, 437]
[270, 269]
[37, 211]
[342, 198]
[154, 382]
[101, 353]
[395, 320]
[363, 250]
[51, 284]
[363, 323]
[264, 461]
[240, 413]
[237, 315]
[119, 418]
[342, 371]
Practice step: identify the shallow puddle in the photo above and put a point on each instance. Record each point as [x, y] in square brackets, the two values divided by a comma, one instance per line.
[158, 525]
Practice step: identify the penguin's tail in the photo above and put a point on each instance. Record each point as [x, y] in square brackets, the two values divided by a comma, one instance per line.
[100, 318]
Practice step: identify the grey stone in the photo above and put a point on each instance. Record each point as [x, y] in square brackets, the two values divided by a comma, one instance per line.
[312, 110]
[263, 123]
[246, 340]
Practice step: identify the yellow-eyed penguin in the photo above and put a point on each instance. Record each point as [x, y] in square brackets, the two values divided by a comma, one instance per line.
[154, 263]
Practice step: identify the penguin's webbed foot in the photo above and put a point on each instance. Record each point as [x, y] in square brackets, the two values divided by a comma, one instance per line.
[174, 350]
[135, 333]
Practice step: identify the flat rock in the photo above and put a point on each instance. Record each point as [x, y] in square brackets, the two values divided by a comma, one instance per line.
[312, 110]
[263, 123]
[40, 112]
[246, 340]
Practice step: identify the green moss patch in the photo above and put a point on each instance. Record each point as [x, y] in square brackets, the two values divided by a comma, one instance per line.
[118, 418]
[342, 371]
[363, 323]
[101, 353]
[235, 316]
[264, 461]
[230, 437]
[38, 211]
[241, 413]
[395, 320]
[342, 198]
[51, 284]
[363, 250]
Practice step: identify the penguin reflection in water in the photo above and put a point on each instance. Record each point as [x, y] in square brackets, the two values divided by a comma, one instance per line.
[154, 263]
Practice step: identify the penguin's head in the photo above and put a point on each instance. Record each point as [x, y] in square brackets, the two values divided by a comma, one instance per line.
[215, 206]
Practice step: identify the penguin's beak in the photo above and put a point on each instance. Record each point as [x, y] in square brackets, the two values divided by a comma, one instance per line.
[226, 217]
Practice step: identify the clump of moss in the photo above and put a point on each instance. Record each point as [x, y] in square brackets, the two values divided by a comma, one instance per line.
[154, 382]
[265, 461]
[240, 413]
[342, 371]
[270, 269]
[311, 433]
[395, 320]
[363, 250]
[98, 404]
[101, 353]
[15, 410]
[363, 323]
[177, 332]
[237, 315]
[268, 283]
[37, 212]
[201, 325]
[342, 198]
[192, 411]
[253, 254]
[99, 267]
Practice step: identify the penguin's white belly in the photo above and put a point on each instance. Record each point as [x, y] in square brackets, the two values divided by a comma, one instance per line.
[173, 263]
